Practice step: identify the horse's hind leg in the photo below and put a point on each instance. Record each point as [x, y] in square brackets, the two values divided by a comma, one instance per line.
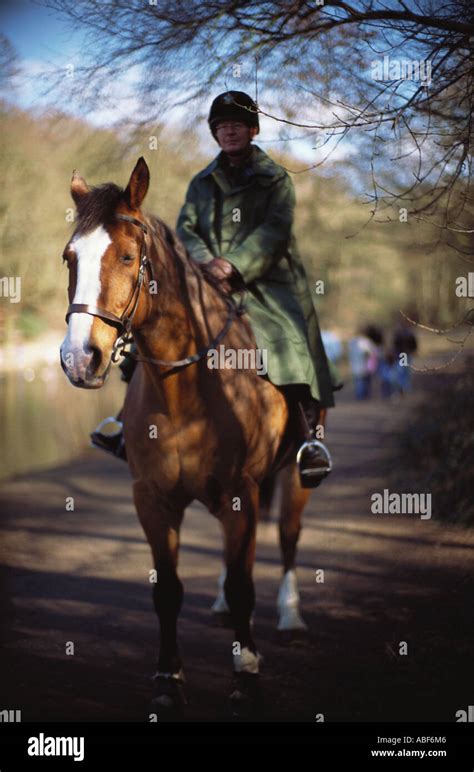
[293, 502]
[161, 523]
[239, 533]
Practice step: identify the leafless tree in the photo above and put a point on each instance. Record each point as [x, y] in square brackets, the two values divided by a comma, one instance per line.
[393, 77]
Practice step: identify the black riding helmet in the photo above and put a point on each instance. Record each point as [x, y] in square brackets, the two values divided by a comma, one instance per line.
[233, 106]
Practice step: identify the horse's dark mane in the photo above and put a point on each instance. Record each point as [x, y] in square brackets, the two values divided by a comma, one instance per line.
[98, 207]
[182, 257]
[180, 251]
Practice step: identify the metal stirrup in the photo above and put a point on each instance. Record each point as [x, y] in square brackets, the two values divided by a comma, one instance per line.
[105, 422]
[315, 472]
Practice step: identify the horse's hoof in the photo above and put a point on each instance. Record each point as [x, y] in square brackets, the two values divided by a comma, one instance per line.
[168, 699]
[290, 619]
[245, 699]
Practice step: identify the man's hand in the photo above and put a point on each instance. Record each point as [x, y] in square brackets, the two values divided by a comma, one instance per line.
[221, 270]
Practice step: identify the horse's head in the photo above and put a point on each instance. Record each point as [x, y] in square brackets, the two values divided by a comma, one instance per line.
[106, 261]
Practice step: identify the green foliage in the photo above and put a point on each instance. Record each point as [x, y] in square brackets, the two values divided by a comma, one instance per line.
[374, 269]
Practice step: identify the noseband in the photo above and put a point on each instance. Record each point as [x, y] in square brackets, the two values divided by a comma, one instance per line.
[123, 322]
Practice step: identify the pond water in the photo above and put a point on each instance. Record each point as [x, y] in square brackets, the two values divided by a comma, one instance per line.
[45, 421]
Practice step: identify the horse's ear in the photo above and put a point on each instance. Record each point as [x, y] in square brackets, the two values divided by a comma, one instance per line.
[138, 183]
[79, 187]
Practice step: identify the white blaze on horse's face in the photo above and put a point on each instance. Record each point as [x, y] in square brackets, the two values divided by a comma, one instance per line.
[76, 353]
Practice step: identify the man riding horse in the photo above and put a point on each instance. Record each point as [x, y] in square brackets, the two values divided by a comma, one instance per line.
[237, 224]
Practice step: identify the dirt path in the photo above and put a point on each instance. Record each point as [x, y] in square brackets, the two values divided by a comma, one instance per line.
[82, 576]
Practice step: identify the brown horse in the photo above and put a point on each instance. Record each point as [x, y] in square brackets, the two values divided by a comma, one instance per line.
[191, 432]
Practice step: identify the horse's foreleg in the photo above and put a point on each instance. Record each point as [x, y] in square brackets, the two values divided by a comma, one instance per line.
[293, 501]
[239, 521]
[161, 524]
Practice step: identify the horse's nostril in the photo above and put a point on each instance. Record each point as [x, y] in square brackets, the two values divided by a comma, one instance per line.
[96, 357]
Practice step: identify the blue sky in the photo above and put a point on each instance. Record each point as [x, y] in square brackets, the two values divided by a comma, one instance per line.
[36, 32]
[44, 41]
[41, 41]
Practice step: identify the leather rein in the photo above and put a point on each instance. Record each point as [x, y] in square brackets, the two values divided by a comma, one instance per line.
[124, 322]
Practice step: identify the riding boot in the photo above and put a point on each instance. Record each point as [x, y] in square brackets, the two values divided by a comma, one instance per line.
[109, 437]
[313, 457]
[111, 440]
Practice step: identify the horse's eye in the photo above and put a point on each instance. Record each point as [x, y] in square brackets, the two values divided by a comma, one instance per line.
[127, 259]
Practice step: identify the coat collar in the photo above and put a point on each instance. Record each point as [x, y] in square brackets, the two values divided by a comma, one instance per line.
[263, 166]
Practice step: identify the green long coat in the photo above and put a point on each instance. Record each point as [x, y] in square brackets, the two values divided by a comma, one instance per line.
[250, 223]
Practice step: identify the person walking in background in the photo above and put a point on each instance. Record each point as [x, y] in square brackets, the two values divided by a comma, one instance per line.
[387, 374]
[364, 360]
[376, 336]
[404, 347]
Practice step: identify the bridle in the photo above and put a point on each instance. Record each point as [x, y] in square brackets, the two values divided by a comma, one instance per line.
[124, 322]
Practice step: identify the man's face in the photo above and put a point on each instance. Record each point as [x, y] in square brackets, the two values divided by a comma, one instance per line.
[233, 136]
